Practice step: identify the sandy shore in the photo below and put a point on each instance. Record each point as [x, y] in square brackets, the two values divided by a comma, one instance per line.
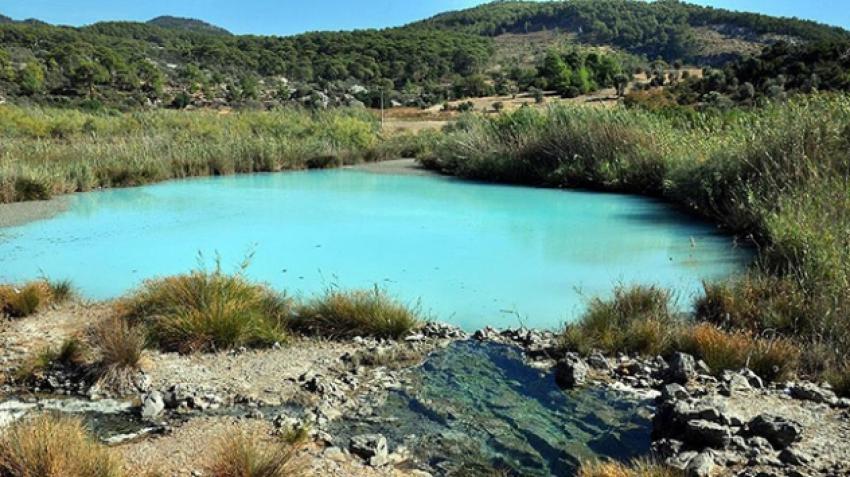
[20, 213]
[395, 166]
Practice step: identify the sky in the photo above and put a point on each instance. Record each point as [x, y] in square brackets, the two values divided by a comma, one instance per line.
[285, 17]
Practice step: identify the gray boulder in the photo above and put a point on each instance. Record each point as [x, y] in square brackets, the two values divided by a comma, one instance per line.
[682, 368]
[152, 405]
[703, 433]
[780, 432]
[371, 447]
[571, 372]
[701, 466]
[813, 392]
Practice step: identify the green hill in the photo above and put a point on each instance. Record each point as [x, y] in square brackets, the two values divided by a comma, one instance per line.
[499, 46]
[188, 24]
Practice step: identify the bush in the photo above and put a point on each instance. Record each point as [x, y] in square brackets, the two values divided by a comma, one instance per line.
[207, 311]
[637, 319]
[25, 301]
[50, 446]
[339, 314]
[243, 455]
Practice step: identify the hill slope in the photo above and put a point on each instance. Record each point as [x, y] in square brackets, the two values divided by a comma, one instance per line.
[669, 29]
[188, 24]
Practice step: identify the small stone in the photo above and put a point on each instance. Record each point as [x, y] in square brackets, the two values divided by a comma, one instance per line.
[335, 454]
[673, 392]
[599, 362]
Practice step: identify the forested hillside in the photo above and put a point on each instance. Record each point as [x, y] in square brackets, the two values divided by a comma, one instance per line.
[666, 28]
[176, 62]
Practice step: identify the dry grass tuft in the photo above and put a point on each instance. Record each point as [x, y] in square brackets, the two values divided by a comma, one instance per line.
[638, 468]
[249, 455]
[51, 446]
[118, 345]
[771, 359]
[26, 300]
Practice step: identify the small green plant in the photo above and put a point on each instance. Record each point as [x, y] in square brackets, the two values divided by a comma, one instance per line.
[207, 311]
[72, 353]
[61, 290]
[345, 314]
[53, 446]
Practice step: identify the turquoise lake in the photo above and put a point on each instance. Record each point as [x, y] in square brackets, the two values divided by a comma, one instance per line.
[470, 254]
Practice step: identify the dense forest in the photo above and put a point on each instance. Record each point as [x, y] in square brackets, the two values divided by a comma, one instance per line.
[175, 62]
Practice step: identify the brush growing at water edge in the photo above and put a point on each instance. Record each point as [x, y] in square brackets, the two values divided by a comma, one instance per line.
[346, 314]
[207, 311]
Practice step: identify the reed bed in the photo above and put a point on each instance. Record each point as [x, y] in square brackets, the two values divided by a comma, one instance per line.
[46, 152]
[778, 176]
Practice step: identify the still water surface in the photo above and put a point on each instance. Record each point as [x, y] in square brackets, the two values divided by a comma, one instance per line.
[471, 254]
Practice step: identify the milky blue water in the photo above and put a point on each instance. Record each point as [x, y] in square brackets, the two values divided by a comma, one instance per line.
[471, 254]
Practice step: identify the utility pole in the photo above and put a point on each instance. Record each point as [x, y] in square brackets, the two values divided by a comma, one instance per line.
[382, 109]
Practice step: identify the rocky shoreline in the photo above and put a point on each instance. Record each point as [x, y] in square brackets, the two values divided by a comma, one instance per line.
[703, 424]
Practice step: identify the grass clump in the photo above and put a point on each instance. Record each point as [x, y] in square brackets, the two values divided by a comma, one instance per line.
[637, 319]
[772, 359]
[247, 455]
[52, 446]
[346, 314]
[119, 346]
[207, 311]
[638, 468]
[26, 300]
[32, 297]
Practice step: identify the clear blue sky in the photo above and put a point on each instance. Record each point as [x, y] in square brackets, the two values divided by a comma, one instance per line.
[283, 17]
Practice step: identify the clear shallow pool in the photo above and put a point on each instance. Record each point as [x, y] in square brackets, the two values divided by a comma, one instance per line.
[475, 407]
[474, 254]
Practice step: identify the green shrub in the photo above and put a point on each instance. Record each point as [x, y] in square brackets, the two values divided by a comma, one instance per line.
[207, 311]
[340, 314]
[636, 319]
